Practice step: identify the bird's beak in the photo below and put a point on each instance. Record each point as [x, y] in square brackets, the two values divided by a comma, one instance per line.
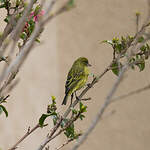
[89, 65]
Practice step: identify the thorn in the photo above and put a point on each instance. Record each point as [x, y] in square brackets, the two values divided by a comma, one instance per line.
[77, 96]
[47, 148]
[28, 129]
[47, 135]
[86, 99]
[6, 97]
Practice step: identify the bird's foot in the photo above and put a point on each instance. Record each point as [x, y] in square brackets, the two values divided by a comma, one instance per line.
[77, 98]
[89, 85]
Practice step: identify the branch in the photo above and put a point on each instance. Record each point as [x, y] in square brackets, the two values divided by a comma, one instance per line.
[102, 109]
[22, 20]
[131, 93]
[108, 99]
[26, 49]
[64, 144]
[95, 80]
[25, 136]
[52, 136]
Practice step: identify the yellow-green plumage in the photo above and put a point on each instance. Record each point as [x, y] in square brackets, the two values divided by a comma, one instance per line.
[77, 77]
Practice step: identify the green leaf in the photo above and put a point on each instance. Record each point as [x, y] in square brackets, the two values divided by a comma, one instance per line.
[143, 48]
[70, 132]
[74, 111]
[37, 40]
[123, 39]
[115, 68]
[81, 105]
[31, 26]
[55, 118]
[17, 3]
[71, 3]
[115, 40]
[53, 99]
[7, 19]
[108, 41]
[141, 66]
[82, 108]
[118, 47]
[2, 6]
[37, 10]
[132, 60]
[2, 1]
[81, 116]
[64, 122]
[138, 57]
[4, 110]
[23, 36]
[147, 46]
[43, 117]
[141, 39]
[1, 110]
[131, 38]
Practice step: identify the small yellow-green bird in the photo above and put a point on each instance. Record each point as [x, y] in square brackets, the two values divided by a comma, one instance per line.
[77, 77]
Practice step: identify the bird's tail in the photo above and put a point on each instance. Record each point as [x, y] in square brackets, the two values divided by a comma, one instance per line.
[65, 99]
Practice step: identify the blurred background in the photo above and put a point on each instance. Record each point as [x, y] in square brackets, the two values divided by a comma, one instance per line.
[73, 34]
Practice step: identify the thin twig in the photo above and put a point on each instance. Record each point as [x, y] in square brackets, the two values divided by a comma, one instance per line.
[64, 144]
[115, 86]
[49, 137]
[13, 85]
[24, 52]
[104, 117]
[95, 80]
[17, 63]
[7, 30]
[25, 136]
[131, 93]
[52, 135]
[58, 12]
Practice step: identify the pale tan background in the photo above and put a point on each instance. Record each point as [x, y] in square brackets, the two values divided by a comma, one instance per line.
[73, 34]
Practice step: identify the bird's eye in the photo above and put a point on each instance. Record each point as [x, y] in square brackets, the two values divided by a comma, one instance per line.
[86, 62]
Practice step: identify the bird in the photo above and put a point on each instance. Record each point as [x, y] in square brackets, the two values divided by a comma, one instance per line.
[76, 78]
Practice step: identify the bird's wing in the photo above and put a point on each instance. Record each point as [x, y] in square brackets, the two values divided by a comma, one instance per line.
[74, 76]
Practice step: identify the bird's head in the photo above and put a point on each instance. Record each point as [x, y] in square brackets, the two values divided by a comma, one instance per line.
[84, 61]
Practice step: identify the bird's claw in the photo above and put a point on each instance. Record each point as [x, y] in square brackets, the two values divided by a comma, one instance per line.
[89, 85]
[77, 98]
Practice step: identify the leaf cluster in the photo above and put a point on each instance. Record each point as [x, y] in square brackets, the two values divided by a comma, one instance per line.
[67, 124]
[120, 47]
[16, 9]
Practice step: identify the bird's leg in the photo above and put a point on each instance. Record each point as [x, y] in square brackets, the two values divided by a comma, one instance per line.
[90, 84]
[76, 96]
[71, 99]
